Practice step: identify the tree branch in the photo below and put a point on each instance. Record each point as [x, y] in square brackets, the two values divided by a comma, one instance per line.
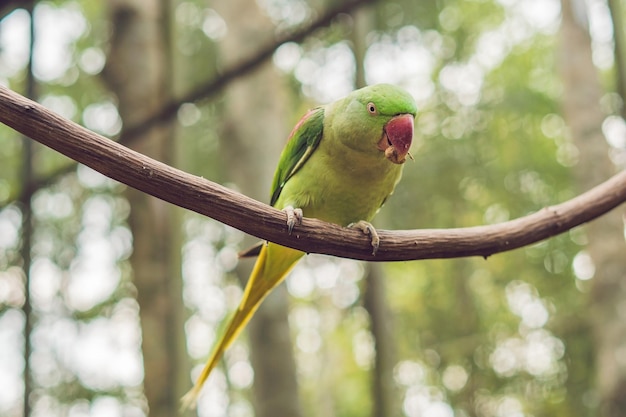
[313, 236]
[208, 88]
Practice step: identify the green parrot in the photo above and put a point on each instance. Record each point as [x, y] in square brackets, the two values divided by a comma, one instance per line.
[340, 164]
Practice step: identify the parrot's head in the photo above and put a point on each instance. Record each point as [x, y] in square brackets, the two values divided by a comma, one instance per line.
[384, 114]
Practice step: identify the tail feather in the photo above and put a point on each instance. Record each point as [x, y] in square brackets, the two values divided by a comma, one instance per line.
[273, 264]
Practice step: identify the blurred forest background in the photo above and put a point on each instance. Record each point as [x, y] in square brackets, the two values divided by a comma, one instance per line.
[110, 300]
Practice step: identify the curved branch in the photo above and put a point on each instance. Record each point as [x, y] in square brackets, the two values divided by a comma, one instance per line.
[265, 222]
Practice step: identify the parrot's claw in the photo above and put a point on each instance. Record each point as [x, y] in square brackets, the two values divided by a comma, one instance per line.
[368, 229]
[294, 216]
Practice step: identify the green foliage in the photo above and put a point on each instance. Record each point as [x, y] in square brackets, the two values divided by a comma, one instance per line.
[505, 335]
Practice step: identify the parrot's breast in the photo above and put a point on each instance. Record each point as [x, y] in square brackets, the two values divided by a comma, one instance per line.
[341, 187]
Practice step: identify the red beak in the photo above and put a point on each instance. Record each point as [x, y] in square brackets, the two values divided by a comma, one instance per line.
[397, 138]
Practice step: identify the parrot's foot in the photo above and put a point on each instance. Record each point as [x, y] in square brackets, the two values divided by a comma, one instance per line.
[368, 229]
[294, 216]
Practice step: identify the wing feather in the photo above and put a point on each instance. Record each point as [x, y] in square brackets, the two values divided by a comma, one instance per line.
[302, 142]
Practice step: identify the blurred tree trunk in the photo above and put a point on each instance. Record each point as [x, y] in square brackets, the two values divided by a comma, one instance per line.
[384, 393]
[581, 98]
[26, 206]
[138, 72]
[255, 128]
[385, 402]
[619, 38]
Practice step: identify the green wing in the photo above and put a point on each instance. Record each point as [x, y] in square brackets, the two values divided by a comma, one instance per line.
[303, 140]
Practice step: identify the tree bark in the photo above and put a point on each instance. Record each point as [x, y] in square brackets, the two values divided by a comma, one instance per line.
[581, 109]
[137, 72]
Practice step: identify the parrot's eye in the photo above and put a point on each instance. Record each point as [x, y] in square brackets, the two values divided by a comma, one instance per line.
[371, 107]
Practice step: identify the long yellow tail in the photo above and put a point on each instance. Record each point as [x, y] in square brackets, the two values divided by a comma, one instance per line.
[272, 265]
